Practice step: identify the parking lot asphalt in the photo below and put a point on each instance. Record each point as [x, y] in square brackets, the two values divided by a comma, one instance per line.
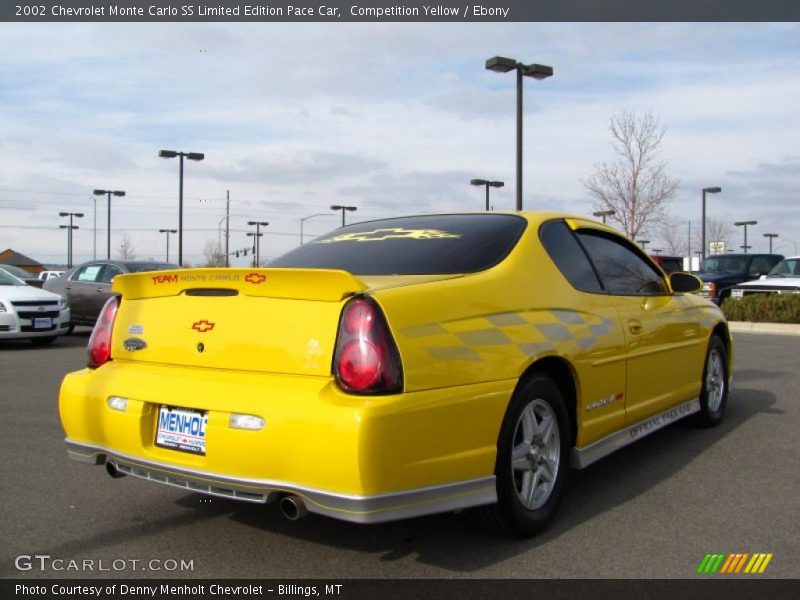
[653, 509]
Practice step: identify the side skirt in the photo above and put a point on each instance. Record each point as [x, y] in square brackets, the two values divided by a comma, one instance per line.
[583, 457]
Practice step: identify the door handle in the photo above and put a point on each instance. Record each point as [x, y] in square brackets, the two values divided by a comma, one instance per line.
[634, 326]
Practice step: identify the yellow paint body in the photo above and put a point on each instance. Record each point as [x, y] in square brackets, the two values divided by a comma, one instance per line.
[464, 340]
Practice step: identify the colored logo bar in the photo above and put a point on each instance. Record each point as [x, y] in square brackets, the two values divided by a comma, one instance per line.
[741, 562]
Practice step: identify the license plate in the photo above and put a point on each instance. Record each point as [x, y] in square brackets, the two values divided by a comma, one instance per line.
[182, 429]
[42, 323]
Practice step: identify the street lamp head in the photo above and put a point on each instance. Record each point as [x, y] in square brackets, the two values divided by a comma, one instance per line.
[100, 192]
[501, 64]
[771, 235]
[119, 193]
[63, 214]
[167, 231]
[496, 184]
[336, 207]
[712, 190]
[78, 215]
[478, 182]
[537, 71]
[351, 208]
[740, 223]
[262, 223]
[167, 154]
[195, 155]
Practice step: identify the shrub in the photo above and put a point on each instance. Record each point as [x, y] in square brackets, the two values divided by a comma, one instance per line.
[764, 308]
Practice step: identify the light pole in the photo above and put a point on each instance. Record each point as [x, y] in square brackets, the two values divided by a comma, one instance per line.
[343, 208]
[109, 193]
[167, 231]
[488, 184]
[771, 236]
[191, 156]
[500, 64]
[257, 235]
[69, 229]
[708, 190]
[745, 224]
[604, 214]
[254, 247]
[643, 243]
[304, 219]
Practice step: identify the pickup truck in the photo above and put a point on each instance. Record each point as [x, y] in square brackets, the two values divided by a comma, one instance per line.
[720, 272]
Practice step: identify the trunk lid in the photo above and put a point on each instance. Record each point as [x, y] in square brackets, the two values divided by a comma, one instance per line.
[271, 320]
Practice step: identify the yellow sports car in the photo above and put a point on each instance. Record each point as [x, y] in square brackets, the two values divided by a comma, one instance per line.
[398, 368]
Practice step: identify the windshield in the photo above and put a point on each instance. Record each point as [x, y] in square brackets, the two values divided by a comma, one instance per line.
[16, 272]
[149, 266]
[789, 267]
[8, 279]
[425, 245]
[723, 264]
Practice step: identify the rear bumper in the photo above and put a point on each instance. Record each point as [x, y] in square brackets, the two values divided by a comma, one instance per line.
[357, 509]
[359, 459]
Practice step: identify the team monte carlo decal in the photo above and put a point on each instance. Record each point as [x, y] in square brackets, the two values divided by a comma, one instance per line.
[202, 326]
[194, 278]
[255, 278]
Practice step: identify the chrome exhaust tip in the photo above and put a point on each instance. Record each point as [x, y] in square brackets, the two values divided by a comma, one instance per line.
[111, 469]
[293, 508]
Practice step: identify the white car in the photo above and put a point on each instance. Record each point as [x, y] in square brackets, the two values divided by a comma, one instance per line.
[27, 312]
[783, 278]
[45, 275]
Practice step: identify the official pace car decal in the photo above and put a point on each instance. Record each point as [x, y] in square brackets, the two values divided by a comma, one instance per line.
[392, 233]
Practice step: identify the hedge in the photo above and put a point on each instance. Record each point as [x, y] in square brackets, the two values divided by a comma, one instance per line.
[764, 308]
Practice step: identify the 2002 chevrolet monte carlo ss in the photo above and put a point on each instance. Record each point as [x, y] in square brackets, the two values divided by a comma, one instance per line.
[398, 368]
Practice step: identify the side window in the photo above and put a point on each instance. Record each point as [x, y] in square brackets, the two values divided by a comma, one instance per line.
[759, 266]
[88, 274]
[621, 268]
[571, 260]
[109, 273]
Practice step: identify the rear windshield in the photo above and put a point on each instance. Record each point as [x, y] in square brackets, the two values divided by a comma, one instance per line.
[149, 266]
[435, 244]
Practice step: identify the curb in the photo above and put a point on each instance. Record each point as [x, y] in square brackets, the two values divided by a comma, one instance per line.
[770, 328]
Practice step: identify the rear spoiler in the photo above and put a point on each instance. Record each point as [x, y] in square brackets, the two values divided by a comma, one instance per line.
[302, 284]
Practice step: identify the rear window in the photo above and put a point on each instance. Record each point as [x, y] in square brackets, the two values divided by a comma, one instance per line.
[427, 245]
[149, 266]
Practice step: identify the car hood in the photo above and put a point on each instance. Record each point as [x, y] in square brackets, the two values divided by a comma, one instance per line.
[25, 292]
[789, 282]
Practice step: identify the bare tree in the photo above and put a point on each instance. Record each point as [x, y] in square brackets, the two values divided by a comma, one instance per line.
[718, 230]
[674, 234]
[215, 255]
[125, 250]
[636, 186]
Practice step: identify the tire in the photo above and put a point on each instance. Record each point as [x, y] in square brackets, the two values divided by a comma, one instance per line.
[43, 341]
[529, 488]
[714, 393]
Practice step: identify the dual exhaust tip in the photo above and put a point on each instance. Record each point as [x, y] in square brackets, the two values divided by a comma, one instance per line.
[292, 507]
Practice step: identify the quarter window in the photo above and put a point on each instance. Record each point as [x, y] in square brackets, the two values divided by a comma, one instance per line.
[621, 268]
[571, 260]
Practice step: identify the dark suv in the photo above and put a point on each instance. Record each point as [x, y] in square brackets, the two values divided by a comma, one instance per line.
[721, 271]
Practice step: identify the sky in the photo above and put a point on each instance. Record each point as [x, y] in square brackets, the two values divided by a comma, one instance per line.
[393, 118]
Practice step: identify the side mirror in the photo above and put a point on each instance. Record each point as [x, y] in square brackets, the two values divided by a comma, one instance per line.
[685, 282]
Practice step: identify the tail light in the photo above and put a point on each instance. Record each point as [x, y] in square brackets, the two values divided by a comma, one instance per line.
[712, 290]
[366, 360]
[100, 340]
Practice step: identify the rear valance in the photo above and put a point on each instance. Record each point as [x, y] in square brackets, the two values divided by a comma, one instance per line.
[326, 285]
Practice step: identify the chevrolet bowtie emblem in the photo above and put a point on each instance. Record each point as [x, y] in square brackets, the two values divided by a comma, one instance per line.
[202, 326]
[255, 278]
